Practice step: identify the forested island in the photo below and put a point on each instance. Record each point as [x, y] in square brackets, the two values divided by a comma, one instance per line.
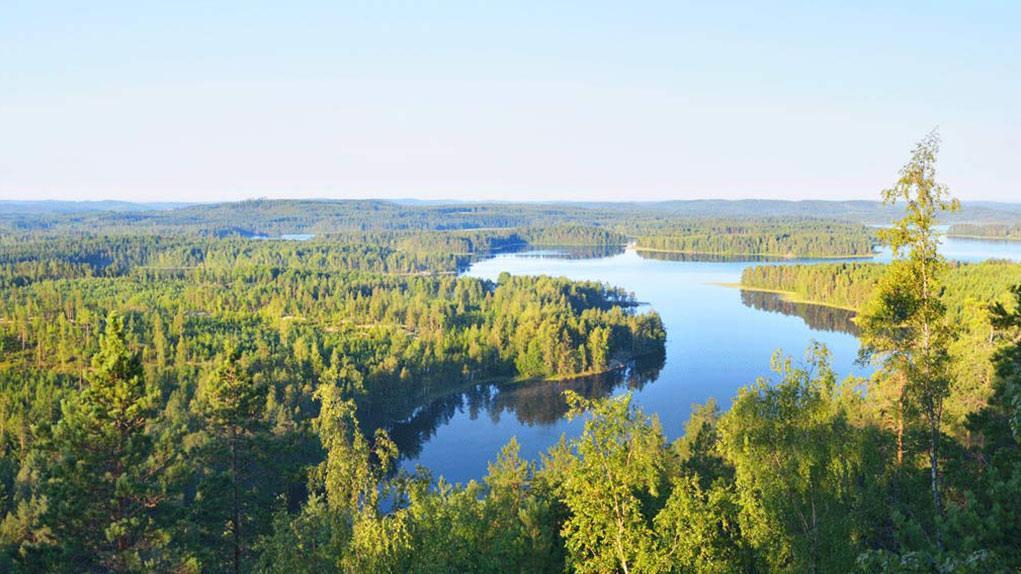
[783, 239]
[1001, 231]
[180, 394]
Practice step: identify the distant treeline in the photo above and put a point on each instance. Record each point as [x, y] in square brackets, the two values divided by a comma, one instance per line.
[26, 259]
[1003, 231]
[273, 218]
[490, 240]
[807, 238]
[845, 285]
[25, 262]
[850, 284]
[420, 233]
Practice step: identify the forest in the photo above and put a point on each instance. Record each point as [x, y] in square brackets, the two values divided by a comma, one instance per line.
[179, 395]
[739, 228]
[154, 389]
[790, 238]
[1002, 231]
[275, 217]
[970, 290]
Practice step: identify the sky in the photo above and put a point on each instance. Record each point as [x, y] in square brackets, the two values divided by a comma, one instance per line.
[211, 101]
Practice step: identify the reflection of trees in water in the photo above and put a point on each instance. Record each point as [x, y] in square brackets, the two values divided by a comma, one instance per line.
[704, 257]
[563, 251]
[533, 403]
[817, 317]
[551, 251]
[542, 403]
[577, 251]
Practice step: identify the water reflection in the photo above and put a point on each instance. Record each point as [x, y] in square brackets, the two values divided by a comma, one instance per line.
[569, 252]
[817, 317]
[536, 403]
[708, 257]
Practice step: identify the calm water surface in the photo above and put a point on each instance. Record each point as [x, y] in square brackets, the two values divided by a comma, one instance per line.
[718, 340]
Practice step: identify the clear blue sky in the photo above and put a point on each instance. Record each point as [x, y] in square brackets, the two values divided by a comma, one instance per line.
[546, 100]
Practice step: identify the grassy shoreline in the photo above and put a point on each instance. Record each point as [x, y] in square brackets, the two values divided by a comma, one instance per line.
[790, 296]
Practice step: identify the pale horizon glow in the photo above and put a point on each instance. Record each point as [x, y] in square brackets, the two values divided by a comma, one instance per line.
[199, 102]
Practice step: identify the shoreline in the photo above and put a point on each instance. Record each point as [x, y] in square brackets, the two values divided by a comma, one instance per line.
[518, 379]
[983, 238]
[789, 296]
[785, 257]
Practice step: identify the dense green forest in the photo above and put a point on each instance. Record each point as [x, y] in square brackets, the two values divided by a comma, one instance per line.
[752, 227]
[443, 232]
[1004, 231]
[849, 285]
[274, 217]
[154, 389]
[970, 289]
[792, 238]
[178, 396]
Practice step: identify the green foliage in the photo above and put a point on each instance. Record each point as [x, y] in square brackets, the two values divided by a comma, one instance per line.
[809, 238]
[177, 397]
[230, 403]
[999, 231]
[272, 218]
[699, 530]
[229, 399]
[102, 486]
[905, 322]
[610, 479]
[797, 463]
[968, 288]
[202, 398]
[838, 284]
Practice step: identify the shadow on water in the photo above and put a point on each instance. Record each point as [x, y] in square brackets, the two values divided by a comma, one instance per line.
[532, 403]
[817, 317]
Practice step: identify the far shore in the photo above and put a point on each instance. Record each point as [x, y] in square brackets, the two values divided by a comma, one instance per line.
[790, 296]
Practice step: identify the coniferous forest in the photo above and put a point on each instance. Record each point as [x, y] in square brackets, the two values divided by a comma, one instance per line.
[183, 391]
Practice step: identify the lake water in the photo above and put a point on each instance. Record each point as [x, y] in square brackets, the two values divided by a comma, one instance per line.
[718, 339]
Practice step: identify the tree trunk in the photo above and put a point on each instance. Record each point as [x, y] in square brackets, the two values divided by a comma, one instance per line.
[900, 421]
[934, 474]
[237, 511]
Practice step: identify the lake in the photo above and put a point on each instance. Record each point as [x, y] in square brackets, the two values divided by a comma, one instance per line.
[718, 339]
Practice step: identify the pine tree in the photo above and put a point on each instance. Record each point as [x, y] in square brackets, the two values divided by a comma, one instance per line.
[230, 403]
[102, 487]
[159, 340]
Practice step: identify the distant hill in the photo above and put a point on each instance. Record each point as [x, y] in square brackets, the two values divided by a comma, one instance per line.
[323, 216]
[859, 211]
[12, 206]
